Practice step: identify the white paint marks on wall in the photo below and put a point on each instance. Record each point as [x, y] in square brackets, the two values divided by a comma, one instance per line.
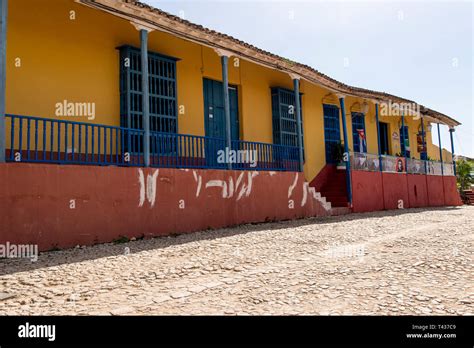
[198, 179]
[305, 194]
[250, 183]
[148, 188]
[239, 180]
[247, 189]
[292, 187]
[141, 181]
[218, 183]
[230, 188]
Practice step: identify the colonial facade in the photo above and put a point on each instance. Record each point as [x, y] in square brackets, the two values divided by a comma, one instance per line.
[121, 119]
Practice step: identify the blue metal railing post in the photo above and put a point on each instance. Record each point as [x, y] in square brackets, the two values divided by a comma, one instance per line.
[146, 93]
[451, 131]
[423, 142]
[225, 86]
[378, 135]
[440, 151]
[404, 142]
[402, 137]
[346, 151]
[3, 73]
[296, 83]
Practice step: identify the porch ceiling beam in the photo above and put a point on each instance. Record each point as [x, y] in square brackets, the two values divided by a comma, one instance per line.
[3, 72]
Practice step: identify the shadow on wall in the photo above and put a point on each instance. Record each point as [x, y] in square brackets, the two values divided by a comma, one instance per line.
[57, 258]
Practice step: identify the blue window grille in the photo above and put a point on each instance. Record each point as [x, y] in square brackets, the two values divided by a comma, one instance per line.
[358, 123]
[163, 95]
[285, 123]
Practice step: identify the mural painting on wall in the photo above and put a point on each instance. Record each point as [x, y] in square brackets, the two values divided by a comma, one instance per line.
[394, 164]
[400, 168]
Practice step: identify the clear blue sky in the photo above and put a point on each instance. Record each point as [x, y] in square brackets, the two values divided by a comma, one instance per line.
[421, 50]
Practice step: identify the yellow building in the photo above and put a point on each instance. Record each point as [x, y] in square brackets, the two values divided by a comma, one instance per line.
[80, 61]
[106, 105]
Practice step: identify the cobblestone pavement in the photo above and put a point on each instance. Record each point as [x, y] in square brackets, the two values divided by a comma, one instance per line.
[403, 262]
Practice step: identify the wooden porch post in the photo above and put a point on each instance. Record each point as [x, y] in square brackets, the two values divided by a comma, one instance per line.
[224, 55]
[402, 137]
[225, 86]
[145, 90]
[423, 142]
[346, 151]
[146, 96]
[378, 135]
[296, 83]
[440, 151]
[451, 131]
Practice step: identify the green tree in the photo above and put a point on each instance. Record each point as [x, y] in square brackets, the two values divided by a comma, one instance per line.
[464, 177]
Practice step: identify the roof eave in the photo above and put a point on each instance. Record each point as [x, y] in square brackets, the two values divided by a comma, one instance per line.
[159, 20]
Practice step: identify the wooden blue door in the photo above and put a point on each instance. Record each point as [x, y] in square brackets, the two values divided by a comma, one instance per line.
[383, 135]
[214, 118]
[332, 131]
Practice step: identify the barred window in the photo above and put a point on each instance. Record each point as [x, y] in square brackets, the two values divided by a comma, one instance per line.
[285, 123]
[162, 88]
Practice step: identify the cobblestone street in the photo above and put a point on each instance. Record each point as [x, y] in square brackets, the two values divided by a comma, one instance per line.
[416, 261]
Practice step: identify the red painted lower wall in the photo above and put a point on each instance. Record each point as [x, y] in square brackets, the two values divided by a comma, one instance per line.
[64, 206]
[417, 191]
[451, 194]
[395, 187]
[372, 191]
[435, 186]
[323, 176]
[367, 191]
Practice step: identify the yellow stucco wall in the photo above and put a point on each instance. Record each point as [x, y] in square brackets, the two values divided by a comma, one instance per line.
[433, 152]
[77, 60]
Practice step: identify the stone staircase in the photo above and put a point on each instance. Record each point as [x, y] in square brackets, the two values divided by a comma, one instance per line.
[334, 189]
[470, 197]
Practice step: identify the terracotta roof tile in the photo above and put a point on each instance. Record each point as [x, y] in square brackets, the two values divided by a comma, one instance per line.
[306, 72]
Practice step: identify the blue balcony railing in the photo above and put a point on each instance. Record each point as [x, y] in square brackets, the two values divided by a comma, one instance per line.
[192, 151]
[34, 139]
